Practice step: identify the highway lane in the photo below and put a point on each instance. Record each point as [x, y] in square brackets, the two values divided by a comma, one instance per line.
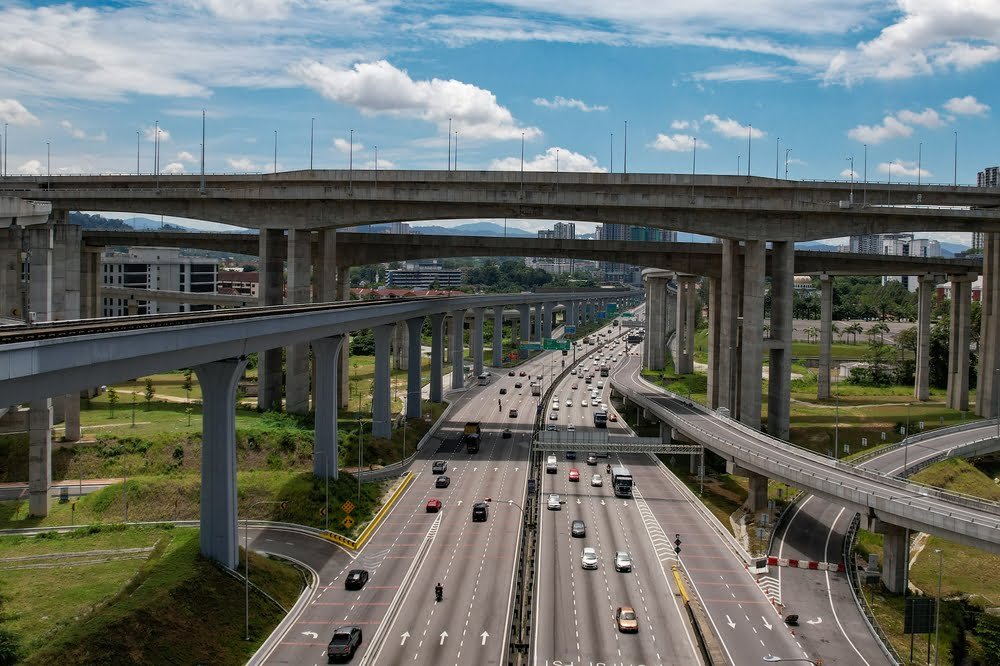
[390, 552]
[574, 621]
[742, 615]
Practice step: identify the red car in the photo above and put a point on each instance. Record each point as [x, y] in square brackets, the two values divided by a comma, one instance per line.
[613, 418]
[574, 387]
[574, 474]
[433, 505]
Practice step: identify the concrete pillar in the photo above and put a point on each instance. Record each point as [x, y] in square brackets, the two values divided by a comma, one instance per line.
[825, 336]
[269, 293]
[400, 355]
[895, 555]
[779, 385]
[414, 385]
[539, 317]
[476, 340]
[297, 372]
[381, 407]
[41, 240]
[666, 432]
[524, 310]
[958, 344]
[326, 266]
[714, 321]
[655, 348]
[751, 355]
[691, 286]
[458, 349]
[66, 287]
[730, 329]
[326, 460]
[546, 319]
[39, 457]
[449, 333]
[921, 385]
[497, 337]
[682, 363]
[91, 305]
[343, 286]
[219, 537]
[437, 357]
[757, 489]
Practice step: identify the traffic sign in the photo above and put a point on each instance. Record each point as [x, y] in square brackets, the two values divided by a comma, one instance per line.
[347, 506]
[612, 308]
[531, 346]
[551, 343]
[569, 330]
[601, 315]
[348, 522]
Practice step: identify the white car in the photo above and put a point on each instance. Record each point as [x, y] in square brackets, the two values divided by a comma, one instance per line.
[571, 427]
[569, 402]
[553, 416]
[555, 503]
[623, 561]
[589, 558]
[604, 406]
[594, 402]
[600, 384]
[597, 480]
[583, 403]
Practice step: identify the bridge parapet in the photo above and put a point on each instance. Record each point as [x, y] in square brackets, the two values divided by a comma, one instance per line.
[23, 212]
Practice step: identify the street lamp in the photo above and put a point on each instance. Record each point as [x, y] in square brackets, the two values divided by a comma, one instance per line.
[836, 430]
[787, 150]
[851, 160]
[246, 563]
[361, 443]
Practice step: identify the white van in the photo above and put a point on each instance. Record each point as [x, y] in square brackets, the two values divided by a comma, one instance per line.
[550, 465]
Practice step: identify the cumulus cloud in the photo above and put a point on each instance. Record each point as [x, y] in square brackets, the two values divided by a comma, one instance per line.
[31, 168]
[150, 134]
[380, 88]
[246, 165]
[185, 156]
[731, 129]
[13, 112]
[680, 125]
[889, 129]
[677, 143]
[926, 118]
[966, 106]
[567, 161]
[173, 168]
[78, 133]
[567, 103]
[344, 145]
[900, 168]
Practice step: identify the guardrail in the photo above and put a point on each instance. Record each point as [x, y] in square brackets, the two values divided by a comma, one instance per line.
[355, 544]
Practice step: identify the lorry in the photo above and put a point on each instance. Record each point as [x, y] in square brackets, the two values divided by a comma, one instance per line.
[601, 418]
[536, 388]
[471, 436]
[621, 481]
[605, 370]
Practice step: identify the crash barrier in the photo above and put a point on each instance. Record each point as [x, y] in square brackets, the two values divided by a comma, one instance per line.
[355, 544]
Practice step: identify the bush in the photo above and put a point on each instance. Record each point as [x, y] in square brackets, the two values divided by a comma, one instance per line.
[10, 647]
[179, 453]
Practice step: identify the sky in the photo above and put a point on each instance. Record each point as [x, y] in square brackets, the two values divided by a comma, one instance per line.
[715, 86]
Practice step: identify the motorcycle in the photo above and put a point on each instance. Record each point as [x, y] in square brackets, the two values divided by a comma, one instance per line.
[609, 469]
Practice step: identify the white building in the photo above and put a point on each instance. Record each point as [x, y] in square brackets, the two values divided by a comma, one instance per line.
[905, 245]
[156, 268]
[424, 275]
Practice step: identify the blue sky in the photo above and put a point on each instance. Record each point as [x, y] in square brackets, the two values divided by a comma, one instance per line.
[826, 77]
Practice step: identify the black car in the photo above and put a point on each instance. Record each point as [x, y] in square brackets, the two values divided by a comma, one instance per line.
[442, 482]
[480, 512]
[518, 384]
[356, 579]
[506, 433]
[343, 645]
[512, 414]
[571, 455]
[511, 373]
[503, 391]
[578, 528]
[439, 467]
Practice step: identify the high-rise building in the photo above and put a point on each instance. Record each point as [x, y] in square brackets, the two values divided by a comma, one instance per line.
[156, 268]
[866, 244]
[564, 230]
[989, 177]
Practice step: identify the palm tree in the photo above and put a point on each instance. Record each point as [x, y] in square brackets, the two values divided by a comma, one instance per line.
[836, 331]
[811, 333]
[853, 331]
[882, 329]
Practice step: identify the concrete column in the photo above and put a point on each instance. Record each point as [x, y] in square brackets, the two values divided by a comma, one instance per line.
[682, 363]
[921, 386]
[757, 488]
[39, 457]
[895, 554]
[958, 344]
[219, 537]
[546, 316]
[539, 317]
[730, 327]
[381, 407]
[656, 343]
[779, 385]
[437, 356]
[449, 333]
[414, 385]
[691, 286]
[648, 325]
[400, 357]
[326, 460]
[498, 337]
[66, 287]
[751, 356]
[41, 241]
[299, 291]
[458, 349]
[326, 267]
[714, 320]
[825, 336]
[524, 310]
[269, 293]
[91, 305]
[476, 340]
[343, 286]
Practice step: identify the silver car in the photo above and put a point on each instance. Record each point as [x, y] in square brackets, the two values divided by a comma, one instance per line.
[588, 560]
[597, 480]
[555, 504]
[623, 561]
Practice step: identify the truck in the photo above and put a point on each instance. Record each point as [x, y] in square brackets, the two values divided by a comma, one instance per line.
[633, 339]
[471, 436]
[605, 370]
[536, 388]
[621, 481]
[600, 419]
[586, 340]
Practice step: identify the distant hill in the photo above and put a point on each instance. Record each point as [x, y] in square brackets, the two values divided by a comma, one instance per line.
[101, 223]
[475, 229]
[816, 247]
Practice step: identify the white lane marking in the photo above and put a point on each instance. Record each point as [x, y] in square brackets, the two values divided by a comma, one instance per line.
[829, 592]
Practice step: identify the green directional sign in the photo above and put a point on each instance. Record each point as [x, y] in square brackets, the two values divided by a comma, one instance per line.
[550, 343]
[531, 346]
[627, 315]
[612, 308]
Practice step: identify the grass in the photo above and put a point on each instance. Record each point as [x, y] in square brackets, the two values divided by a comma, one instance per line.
[170, 607]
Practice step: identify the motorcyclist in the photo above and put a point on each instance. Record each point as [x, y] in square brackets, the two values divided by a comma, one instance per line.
[499, 405]
[609, 468]
[438, 592]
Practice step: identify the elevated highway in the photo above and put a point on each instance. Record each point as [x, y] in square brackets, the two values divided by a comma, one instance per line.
[751, 208]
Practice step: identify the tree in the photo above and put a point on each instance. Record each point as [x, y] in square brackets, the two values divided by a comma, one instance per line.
[907, 340]
[112, 399]
[149, 392]
[363, 343]
[188, 383]
[836, 331]
[853, 331]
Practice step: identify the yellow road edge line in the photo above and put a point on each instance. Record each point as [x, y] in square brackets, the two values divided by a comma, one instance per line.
[356, 544]
[680, 584]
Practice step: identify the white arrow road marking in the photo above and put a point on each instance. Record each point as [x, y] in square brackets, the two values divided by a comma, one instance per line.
[444, 635]
[578, 501]
[818, 620]
[625, 503]
[310, 634]
[460, 502]
[766, 623]
[602, 502]
[485, 635]
[404, 635]
[495, 469]
[729, 621]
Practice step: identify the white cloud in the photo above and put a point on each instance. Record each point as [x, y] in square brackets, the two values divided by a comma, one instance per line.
[889, 129]
[563, 103]
[344, 146]
[926, 118]
[677, 143]
[966, 106]
[185, 156]
[680, 125]
[13, 112]
[847, 173]
[900, 168]
[739, 73]
[731, 129]
[31, 168]
[246, 165]
[380, 88]
[567, 161]
[150, 134]
[245, 10]
[173, 168]
[78, 133]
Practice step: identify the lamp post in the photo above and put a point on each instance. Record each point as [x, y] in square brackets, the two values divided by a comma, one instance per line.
[361, 444]
[246, 564]
[920, 150]
[836, 430]
[905, 435]
[851, 160]
[787, 150]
